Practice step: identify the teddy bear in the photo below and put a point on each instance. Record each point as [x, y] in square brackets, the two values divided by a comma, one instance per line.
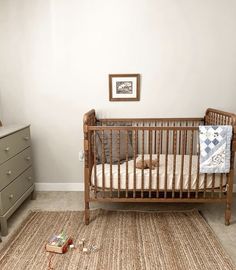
[146, 164]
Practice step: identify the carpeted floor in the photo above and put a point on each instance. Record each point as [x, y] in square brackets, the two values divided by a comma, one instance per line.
[127, 240]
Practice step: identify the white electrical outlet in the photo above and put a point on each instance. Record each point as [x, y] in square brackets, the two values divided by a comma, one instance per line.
[81, 155]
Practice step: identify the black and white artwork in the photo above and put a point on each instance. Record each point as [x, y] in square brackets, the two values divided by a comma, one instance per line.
[124, 87]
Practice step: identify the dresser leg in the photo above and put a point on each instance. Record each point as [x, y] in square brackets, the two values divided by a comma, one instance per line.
[3, 223]
[33, 195]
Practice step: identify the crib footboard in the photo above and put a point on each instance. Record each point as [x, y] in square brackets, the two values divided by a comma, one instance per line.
[156, 160]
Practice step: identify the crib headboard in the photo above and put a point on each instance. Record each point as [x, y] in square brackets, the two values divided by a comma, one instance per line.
[217, 117]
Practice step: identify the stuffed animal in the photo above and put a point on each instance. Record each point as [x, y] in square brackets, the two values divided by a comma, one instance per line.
[146, 164]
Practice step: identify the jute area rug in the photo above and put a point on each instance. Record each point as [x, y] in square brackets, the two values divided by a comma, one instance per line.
[127, 240]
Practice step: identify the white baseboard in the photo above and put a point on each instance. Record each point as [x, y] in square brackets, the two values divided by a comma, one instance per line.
[59, 186]
[66, 187]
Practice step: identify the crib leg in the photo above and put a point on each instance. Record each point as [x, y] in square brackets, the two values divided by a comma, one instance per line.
[227, 214]
[86, 213]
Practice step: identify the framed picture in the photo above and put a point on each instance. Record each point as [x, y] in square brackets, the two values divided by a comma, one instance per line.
[124, 87]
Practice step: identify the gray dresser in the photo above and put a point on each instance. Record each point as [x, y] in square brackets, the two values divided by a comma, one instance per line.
[16, 173]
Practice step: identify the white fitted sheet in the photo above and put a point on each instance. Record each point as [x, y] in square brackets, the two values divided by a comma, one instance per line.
[156, 182]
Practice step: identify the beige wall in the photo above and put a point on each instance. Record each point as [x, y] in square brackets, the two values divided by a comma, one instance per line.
[55, 57]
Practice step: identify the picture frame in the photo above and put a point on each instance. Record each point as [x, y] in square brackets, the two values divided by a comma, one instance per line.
[124, 87]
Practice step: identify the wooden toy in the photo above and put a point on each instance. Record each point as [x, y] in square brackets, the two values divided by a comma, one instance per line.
[59, 243]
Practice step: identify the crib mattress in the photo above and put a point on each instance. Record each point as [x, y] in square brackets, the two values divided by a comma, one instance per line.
[159, 182]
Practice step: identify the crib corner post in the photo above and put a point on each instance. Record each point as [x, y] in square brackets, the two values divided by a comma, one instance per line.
[86, 213]
[227, 214]
[230, 183]
[229, 199]
[89, 119]
[86, 188]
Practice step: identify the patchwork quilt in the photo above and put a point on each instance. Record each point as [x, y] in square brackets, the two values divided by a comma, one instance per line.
[215, 142]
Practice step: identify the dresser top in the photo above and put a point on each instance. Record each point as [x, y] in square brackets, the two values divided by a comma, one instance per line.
[9, 129]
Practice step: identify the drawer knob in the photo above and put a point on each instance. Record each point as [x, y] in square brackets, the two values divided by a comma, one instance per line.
[28, 158]
[26, 138]
[9, 172]
[29, 178]
[7, 149]
[11, 196]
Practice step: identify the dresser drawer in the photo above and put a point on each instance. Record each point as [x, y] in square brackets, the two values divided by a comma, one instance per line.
[10, 194]
[14, 167]
[13, 144]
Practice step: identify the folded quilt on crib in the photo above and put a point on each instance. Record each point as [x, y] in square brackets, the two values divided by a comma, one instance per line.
[215, 148]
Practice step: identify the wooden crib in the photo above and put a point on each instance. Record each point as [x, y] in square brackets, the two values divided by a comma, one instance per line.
[114, 147]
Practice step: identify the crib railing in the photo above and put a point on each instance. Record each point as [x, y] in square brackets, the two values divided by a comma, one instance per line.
[155, 122]
[163, 144]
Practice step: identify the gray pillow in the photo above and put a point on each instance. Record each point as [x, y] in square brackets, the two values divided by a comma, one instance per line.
[114, 145]
[124, 147]
[98, 142]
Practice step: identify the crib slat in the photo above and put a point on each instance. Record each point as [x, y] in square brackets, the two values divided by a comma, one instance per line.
[142, 164]
[127, 165]
[161, 150]
[103, 165]
[213, 185]
[111, 176]
[197, 181]
[173, 138]
[190, 163]
[148, 140]
[182, 162]
[180, 138]
[150, 166]
[118, 151]
[186, 140]
[158, 164]
[135, 147]
[174, 162]
[95, 163]
[205, 185]
[224, 120]
[155, 140]
[166, 162]
[211, 118]
[221, 185]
